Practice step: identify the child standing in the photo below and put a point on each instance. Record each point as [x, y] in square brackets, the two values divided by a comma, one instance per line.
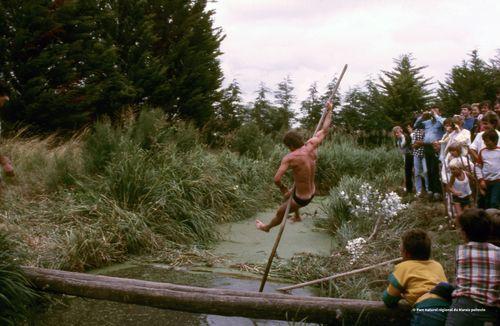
[460, 187]
[476, 299]
[488, 169]
[420, 281]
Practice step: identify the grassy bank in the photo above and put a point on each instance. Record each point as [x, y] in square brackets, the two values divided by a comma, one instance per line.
[150, 186]
[346, 226]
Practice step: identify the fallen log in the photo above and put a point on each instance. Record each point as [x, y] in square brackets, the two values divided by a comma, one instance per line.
[217, 301]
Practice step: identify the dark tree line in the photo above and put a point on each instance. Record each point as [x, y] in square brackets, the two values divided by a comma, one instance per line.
[68, 62]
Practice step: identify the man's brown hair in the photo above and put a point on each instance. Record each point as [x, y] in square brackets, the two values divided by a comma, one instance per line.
[293, 139]
[491, 135]
[475, 224]
[491, 118]
[417, 244]
[485, 103]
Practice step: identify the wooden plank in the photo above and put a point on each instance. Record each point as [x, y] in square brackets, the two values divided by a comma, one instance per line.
[217, 301]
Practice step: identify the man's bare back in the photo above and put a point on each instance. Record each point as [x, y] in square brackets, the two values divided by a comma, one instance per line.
[302, 161]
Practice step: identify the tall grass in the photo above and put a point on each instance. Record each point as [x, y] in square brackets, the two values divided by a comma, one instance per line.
[119, 190]
[148, 184]
[15, 294]
[343, 157]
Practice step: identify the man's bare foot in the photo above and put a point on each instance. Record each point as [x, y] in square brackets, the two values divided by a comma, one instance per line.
[296, 218]
[261, 226]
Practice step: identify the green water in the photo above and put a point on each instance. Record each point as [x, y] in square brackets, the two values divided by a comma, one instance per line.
[241, 243]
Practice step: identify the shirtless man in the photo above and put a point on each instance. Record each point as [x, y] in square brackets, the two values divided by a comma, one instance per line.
[302, 161]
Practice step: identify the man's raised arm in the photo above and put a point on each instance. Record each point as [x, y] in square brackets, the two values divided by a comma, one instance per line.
[321, 134]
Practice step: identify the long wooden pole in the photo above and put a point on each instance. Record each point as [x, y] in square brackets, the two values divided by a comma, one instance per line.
[287, 210]
[272, 306]
[324, 279]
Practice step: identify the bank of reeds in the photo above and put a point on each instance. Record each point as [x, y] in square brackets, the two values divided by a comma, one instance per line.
[119, 190]
[147, 185]
[16, 296]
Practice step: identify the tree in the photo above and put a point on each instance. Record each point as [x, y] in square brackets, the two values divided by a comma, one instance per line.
[363, 110]
[473, 81]
[284, 99]
[131, 27]
[311, 108]
[231, 109]
[262, 110]
[404, 90]
[188, 47]
[63, 73]
[230, 114]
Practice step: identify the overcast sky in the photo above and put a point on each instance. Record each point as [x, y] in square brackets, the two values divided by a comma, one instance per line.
[311, 40]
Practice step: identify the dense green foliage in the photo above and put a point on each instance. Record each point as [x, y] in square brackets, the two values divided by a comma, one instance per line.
[151, 184]
[472, 81]
[15, 293]
[69, 62]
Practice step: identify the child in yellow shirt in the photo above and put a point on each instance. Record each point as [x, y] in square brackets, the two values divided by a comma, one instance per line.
[420, 281]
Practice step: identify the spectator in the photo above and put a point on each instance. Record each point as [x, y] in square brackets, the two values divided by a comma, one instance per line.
[496, 108]
[488, 169]
[469, 120]
[459, 136]
[4, 160]
[460, 187]
[490, 121]
[449, 128]
[419, 166]
[403, 143]
[433, 124]
[476, 298]
[475, 111]
[420, 281]
[484, 107]
[494, 216]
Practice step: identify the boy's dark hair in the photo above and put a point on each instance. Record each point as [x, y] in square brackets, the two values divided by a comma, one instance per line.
[485, 103]
[491, 118]
[466, 106]
[4, 90]
[293, 139]
[491, 135]
[494, 216]
[417, 244]
[419, 125]
[475, 224]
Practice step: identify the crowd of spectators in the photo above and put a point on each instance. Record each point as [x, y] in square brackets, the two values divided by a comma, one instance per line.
[457, 160]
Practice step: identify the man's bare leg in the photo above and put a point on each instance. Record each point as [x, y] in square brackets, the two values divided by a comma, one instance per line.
[277, 218]
[296, 217]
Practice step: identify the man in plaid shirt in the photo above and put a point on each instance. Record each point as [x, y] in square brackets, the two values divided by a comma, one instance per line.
[419, 165]
[476, 299]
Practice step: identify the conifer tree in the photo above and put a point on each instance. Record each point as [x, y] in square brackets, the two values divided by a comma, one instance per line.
[188, 47]
[131, 27]
[63, 72]
[311, 108]
[262, 110]
[404, 90]
[231, 111]
[473, 81]
[284, 100]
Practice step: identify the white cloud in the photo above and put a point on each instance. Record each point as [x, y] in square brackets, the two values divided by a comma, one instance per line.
[267, 40]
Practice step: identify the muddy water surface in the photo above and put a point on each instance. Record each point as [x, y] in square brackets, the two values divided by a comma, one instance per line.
[241, 244]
